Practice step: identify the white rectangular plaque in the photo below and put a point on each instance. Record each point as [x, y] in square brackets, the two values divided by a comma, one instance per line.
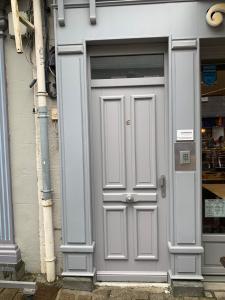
[185, 134]
[214, 208]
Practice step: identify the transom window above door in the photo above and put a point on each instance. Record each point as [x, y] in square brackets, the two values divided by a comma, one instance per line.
[127, 66]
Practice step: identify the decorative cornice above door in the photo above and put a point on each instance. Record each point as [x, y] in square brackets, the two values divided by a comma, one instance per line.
[214, 16]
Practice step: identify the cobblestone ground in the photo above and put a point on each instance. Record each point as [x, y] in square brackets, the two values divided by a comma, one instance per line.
[44, 292]
[128, 294]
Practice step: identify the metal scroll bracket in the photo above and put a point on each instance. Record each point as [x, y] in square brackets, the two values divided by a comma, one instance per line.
[61, 13]
[92, 4]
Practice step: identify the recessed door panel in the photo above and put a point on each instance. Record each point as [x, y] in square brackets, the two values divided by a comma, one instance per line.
[115, 232]
[143, 141]
[146, 232]
[128, 154]
[112, 132]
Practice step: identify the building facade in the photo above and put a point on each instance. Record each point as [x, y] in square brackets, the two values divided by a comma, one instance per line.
[129, 95]
[140, 152]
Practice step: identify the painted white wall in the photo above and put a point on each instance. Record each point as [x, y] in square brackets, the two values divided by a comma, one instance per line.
[24, 159]
[22, 155]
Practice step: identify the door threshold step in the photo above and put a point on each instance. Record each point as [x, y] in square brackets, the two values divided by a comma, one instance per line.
[131, 284]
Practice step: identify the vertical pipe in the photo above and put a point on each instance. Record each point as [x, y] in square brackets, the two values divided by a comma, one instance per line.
[43, 121]
[16, 25]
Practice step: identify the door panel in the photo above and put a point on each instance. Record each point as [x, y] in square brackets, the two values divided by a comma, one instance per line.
[115, 232]
[143, 141]
[146, 232]
[112, 130]
[128, 154]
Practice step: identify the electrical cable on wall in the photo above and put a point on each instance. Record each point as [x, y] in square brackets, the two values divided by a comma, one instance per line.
[50, 73]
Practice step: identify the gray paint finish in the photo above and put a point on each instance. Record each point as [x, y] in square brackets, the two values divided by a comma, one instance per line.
[184, 63]
[9, 251]
[185, 219]
[113, 146]
[185, 208]
[186, 264]
[6, 222]
[61, 13]
[143, 114]
[146, 247]
[185, 20]
[184, 44]
[129, 221]
[74, 159]
[115, 232]
[184, 25]
[73, 155]
[83, 3]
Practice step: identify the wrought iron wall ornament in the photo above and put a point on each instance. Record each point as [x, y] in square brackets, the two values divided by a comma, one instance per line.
[214, 16]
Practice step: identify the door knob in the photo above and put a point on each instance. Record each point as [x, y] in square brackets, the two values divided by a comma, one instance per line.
[129, 198]
[162, 185]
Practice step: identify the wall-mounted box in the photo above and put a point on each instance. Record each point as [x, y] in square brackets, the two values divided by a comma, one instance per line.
[54, 114]
[185, 158]
[23, 28]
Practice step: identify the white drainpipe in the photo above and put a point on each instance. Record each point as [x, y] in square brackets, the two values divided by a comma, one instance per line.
[43, 121]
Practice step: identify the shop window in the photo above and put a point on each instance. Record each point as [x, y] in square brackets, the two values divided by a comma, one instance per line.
[213, 147]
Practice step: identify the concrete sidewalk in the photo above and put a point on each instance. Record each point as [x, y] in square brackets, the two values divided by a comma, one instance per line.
[156, 292]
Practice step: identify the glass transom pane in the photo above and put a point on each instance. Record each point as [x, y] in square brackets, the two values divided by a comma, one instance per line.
[127, 66]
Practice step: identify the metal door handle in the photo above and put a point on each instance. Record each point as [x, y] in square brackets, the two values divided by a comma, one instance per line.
[129, 198]
[162, 184]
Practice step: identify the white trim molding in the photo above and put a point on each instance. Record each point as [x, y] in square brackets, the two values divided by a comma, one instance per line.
[214, 16]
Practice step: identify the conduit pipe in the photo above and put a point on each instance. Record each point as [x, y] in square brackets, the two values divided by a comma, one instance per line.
[43, 122]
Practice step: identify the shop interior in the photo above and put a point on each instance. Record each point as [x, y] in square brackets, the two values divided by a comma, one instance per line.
[213, 145]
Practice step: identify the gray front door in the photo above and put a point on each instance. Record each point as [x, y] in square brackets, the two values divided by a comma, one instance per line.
[128, 162]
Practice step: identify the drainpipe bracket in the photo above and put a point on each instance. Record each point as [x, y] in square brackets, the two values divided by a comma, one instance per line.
[50, 259]
[41, 94]
[43, 115]
[46, 192]
[43, 112]
[47, 203]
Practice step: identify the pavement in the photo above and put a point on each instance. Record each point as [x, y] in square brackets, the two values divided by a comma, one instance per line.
[213, 290]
